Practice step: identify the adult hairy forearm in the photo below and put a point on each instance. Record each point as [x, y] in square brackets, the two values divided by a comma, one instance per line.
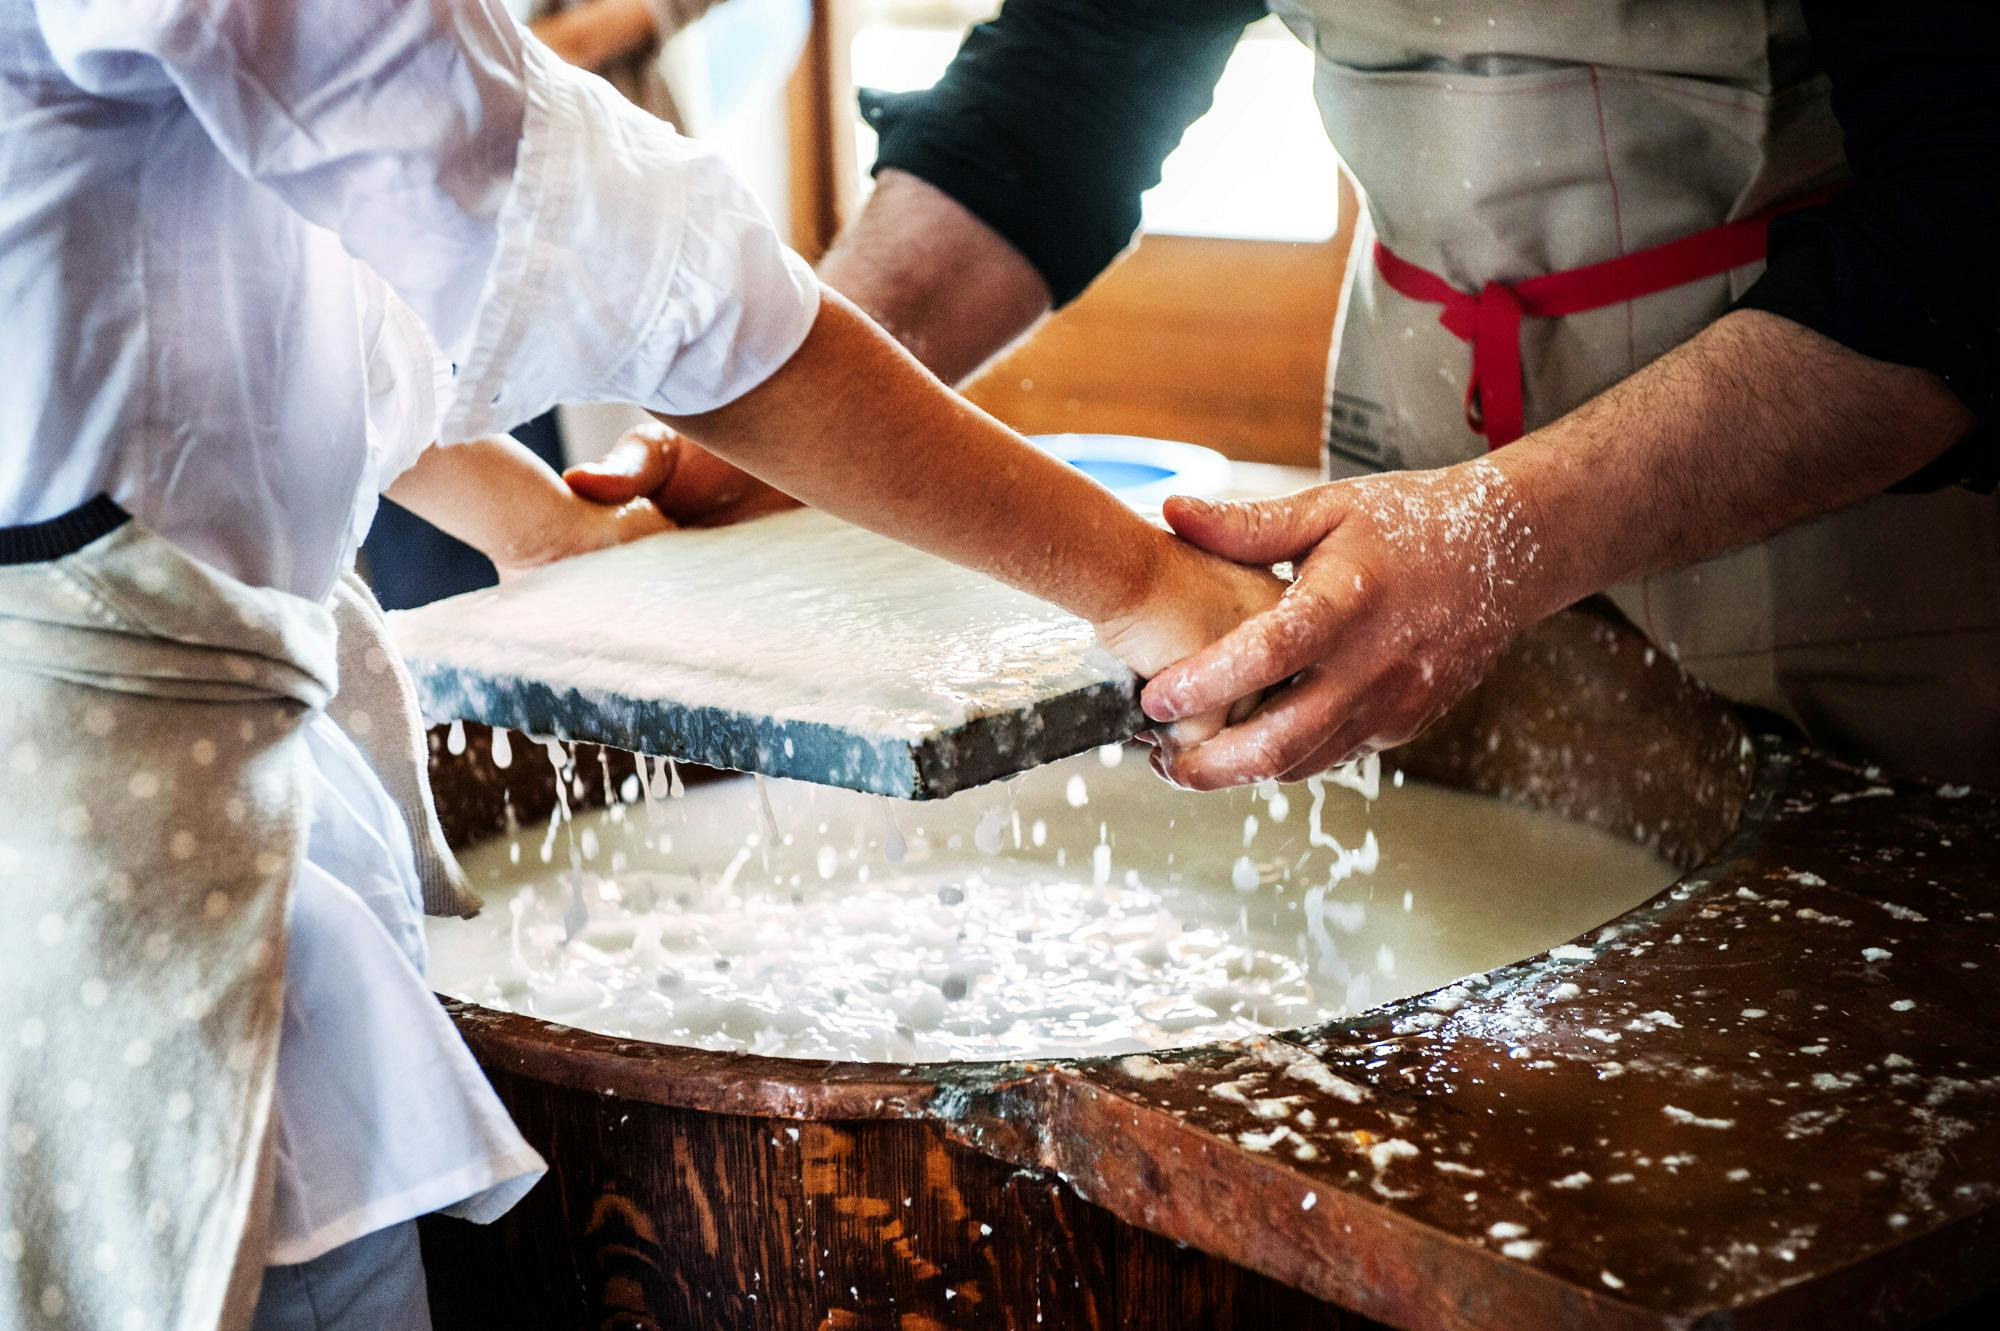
[1755, 424]
[1410, 584]
[941, 281]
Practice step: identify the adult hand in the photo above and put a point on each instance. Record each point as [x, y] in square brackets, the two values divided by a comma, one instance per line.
[1408, 586]
[689, 484]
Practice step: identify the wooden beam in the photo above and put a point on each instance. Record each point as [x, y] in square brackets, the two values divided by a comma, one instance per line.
[820, 111]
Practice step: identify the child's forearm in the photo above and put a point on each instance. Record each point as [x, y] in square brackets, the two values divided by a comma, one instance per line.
[854, 425]
[506, 503]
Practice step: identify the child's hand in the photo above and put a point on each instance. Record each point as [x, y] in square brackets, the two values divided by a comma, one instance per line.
[1194, 599]
[506, 503]
[578, 528]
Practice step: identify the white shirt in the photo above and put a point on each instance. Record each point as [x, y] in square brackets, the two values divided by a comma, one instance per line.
[210, 210]
[254, 255]
[380, 1113]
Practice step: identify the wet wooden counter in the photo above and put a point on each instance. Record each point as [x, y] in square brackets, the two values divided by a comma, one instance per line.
[1766, 1098]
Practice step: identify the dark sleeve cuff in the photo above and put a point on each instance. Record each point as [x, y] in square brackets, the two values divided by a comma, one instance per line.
[1831, 270]
[1069, 229]
[1055, 117]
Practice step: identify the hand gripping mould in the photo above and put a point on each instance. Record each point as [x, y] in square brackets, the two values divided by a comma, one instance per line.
[800, 646]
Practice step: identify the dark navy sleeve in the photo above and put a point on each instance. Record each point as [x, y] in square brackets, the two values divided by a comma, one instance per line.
[1903, 266]
[1055, 117]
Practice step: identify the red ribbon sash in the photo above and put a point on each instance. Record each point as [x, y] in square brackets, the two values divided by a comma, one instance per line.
[1491, 319]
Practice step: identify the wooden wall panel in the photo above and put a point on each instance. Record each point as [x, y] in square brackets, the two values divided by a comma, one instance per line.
[1219, 342]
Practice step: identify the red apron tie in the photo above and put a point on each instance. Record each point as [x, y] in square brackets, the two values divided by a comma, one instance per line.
[1491, 320]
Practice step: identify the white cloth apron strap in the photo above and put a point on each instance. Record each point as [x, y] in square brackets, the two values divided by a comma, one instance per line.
[377, 707]
[1506, 143]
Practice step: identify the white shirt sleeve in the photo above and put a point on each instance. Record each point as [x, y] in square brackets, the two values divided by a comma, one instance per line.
[559, 243]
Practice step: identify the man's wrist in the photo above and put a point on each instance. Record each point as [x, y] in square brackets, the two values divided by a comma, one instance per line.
[1571, 516]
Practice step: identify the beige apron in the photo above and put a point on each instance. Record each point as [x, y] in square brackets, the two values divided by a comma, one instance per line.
[1606, 128]
[154, 812]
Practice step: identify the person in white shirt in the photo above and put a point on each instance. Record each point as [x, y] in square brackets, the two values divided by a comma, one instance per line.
[409, 562]
[258, 255]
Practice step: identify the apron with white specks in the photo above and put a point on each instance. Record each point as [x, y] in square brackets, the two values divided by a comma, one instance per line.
[1500, 142]
[153, 814]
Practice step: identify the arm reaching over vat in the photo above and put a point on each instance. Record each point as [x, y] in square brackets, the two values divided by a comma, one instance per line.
[917, 261]
[1411, 583]
[503, 501]
[838, 426]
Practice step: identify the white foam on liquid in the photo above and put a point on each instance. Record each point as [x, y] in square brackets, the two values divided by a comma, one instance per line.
[916, 932]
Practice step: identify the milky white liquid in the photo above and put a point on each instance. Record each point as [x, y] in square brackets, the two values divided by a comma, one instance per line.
[1083, 908]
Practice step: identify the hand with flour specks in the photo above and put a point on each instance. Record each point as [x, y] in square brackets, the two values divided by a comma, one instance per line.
[1411, 583]
[1408, 586]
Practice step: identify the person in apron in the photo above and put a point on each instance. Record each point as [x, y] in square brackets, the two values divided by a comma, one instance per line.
[1541, 385]
[261, 256]
[1539, 227]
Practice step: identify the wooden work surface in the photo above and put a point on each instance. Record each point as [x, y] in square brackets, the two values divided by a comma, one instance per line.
[1768, 1097]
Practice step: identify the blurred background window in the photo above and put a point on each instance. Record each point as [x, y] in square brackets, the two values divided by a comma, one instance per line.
[1285, 190]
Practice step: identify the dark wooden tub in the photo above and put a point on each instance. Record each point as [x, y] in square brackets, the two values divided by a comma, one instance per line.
[1768, 1097]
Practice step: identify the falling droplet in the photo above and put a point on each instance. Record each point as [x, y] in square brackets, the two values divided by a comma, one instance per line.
[576, 915]
[986, 835]
[893, 845]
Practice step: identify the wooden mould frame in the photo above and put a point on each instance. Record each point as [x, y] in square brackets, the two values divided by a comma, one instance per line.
[936, 765]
